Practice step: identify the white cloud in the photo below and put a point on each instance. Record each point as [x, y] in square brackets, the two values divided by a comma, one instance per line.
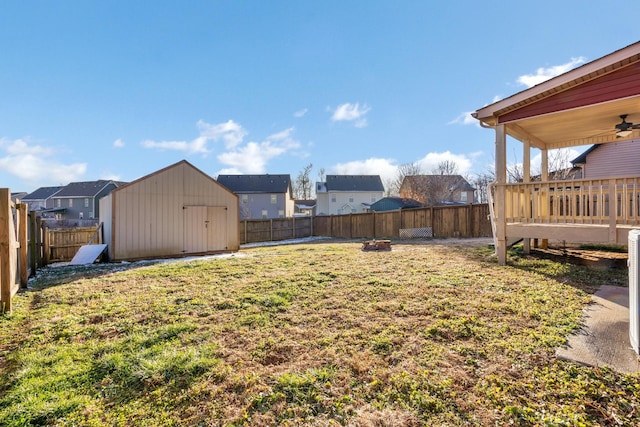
[386, 168]
[542, 74]
[464, 119]
[118, 143]
[238, 156]
[230, 132]
[431, 161]
[252, 157]
[196, 146]
[351, 112]
[300, 113]
[110, 176]
[35, 165]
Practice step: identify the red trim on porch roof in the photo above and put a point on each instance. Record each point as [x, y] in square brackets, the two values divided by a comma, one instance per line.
[619, 84]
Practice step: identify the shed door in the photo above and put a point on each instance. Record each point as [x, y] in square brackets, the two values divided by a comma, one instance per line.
[205, 229]
[216, 228]
[195, 229]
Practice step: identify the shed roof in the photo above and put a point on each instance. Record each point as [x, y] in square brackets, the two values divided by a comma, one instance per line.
[177, 164]
[256, 183]
[354, 183]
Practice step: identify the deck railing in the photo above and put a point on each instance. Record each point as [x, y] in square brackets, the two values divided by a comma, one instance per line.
[581, 201]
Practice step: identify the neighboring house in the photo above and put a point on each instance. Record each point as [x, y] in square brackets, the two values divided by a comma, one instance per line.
[261, 196]
[305, 208]
[41, 199]
[344, 194]
[176, 211]
[394, 203]
[607, 160]
[574, 172]
[433, 190]
[79, 200]
[18, 196]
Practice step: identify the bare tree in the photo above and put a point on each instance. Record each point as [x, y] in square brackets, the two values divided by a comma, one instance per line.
[407, 169]
[439, 188]
[481, 183]
[445, 167]
[321, 175]
[303, 186]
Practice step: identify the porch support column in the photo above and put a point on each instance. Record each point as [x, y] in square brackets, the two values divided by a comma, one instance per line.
[544, 166]
[544, 176]
[500, 195]
[526, 177]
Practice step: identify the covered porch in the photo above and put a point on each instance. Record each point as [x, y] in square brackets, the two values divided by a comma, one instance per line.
[579, 108]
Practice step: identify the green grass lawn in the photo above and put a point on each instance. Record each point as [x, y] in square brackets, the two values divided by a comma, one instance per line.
[311, 334]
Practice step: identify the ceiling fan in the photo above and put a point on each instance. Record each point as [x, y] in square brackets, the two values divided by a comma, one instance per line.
[625, 128]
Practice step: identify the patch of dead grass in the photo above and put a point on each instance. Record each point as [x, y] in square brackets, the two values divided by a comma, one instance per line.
[317, 334]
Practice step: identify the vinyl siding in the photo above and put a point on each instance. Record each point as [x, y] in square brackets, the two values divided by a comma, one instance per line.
[613, 159]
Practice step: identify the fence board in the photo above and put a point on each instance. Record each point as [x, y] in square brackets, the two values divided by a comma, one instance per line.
[64, 243]
[445, 221]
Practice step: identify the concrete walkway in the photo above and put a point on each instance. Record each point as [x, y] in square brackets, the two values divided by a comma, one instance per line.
[604, 338]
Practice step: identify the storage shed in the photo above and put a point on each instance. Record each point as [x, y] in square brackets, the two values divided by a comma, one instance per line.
[176, 211]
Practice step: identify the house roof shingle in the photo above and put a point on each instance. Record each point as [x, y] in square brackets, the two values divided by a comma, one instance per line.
[42, 193]
[354, 183]
[453, 182]
[84, 189]
[392, 203]
[256, 183]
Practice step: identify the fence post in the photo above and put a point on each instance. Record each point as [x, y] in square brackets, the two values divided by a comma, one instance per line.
[5, 268]
[32, 243]
[46, 245]
[271, 229]
[23, 238]
[39, 241]
[293, 220]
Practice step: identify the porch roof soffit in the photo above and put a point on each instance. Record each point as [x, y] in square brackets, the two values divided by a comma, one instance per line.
[579, 107]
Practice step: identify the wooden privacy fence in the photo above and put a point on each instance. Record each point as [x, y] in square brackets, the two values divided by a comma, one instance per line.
[266, 230]
[13, 248]
[443, 221]
[61, 244]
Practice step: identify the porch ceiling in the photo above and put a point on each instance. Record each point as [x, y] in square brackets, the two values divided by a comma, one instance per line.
[593, 124]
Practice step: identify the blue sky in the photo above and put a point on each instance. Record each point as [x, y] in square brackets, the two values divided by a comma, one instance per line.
[119, 89]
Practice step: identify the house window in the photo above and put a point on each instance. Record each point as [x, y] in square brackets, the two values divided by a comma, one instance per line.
[373, 199]
[70, 203]
[274, 199]
[463, 196]
[58, 203]
[350, 199]
[353, 210]
[333, 198]
[86, 202]
[244, 198]
[281, 213]
[81, 215]
[264, 214]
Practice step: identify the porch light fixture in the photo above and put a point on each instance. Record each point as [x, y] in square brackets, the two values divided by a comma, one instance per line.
[623, 133]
